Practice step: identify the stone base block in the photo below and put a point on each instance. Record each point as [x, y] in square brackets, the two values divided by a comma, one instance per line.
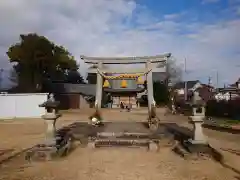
[46, 152]
[153, 146]
[41, 153]
[197, 142]
[195, 151]
[91, 145]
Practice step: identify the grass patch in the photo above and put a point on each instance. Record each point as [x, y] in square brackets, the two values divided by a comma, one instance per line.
[225, 122]
[228, 122]
[232, 122]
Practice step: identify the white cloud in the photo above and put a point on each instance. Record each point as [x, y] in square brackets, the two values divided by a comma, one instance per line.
[119, 28]
[173, 16]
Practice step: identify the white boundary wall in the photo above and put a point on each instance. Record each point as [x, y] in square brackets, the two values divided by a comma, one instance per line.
[22, 105]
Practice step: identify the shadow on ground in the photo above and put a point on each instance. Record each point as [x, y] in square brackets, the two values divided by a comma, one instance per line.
[5, 151]
[232, 151]
[13, 155]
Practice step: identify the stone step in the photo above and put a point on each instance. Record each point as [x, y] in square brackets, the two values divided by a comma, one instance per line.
[126, 135]
[116, 142]
[121, 142]
[132, 135]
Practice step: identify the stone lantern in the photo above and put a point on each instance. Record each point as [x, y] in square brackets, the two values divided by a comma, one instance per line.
[55, 144]
[197, 146]
[51, 115]
[197, 119]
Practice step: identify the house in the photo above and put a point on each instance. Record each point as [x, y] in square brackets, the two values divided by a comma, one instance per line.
[179, 88]
[229, 93]
[236, 84]
[191, 86]
[73, 96]
[205, 91]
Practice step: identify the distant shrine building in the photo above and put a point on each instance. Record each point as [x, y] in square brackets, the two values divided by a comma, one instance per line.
[124, 86]
[124, 91]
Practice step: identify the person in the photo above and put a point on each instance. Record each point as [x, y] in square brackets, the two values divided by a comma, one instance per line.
[137, 103]
[110, 103]
[129, 107]
[121, 105]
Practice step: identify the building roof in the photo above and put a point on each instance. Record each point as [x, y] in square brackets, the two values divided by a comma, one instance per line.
[86, 89]
[208, 86]
[236, 83]
[229, 89]
[123, 90]
[125, 60]
[190, 84]
[67, 88]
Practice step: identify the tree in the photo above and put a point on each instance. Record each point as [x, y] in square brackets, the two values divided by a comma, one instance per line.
[174, 72]
[38, 59]
[160, 93]
[74, 77]
[13, 77]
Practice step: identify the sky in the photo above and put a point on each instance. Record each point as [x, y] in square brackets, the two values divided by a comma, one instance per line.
[204, 32]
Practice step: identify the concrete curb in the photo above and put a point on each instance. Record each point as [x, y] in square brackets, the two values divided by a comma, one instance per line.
[221, 128]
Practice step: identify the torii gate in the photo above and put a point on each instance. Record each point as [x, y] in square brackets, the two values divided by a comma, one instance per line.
[152, 64]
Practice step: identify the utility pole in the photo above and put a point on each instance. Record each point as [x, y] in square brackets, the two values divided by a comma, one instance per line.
[209, 81]
[217, 79]
[185, 83]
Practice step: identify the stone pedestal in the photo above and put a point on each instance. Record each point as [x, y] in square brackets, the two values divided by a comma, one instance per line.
[197, 147]
[50, 120]
[198, 136]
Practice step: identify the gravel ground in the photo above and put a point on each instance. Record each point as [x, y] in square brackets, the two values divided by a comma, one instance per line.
[127, 164]
[112, 163]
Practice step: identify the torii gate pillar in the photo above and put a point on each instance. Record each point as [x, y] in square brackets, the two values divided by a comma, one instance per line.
[149, 85]
[98, 101]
